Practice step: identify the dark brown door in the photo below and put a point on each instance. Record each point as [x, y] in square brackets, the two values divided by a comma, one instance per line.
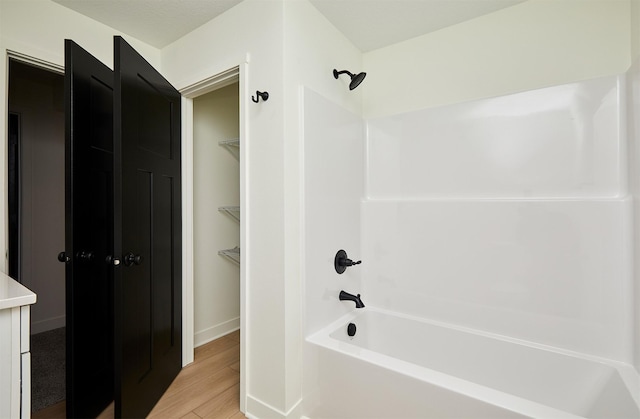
[89, 232]
[147, 226]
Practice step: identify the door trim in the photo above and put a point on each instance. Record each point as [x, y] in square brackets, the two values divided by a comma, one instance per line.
[238, 74]
[8, 54]
[34, 61]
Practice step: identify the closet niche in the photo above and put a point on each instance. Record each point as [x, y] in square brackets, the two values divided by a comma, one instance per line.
[216, 206]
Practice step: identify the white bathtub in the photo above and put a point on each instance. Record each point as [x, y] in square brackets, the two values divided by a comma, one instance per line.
[402, 367]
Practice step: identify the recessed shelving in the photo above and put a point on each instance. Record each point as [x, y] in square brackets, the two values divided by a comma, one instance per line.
[233, 146]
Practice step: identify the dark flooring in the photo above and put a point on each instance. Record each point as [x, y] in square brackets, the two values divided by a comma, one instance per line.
[47, 368]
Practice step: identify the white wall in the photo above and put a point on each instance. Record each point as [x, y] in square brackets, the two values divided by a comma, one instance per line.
[633, 126]
[533, 44]
[252, 32]
[287, 44]
[216, 183]
[633, 91]
[312, 49]
[39, 27]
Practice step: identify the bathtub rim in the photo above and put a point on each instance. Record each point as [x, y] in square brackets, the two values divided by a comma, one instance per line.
[516, 404]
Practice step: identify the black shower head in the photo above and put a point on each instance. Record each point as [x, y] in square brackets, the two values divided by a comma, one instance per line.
[356, 79]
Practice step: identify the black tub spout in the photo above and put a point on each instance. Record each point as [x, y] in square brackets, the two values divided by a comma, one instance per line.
[345, 296]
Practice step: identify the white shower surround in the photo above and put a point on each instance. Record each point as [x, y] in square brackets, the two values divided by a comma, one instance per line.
[563, 141]
[549, 272]
[509, 216]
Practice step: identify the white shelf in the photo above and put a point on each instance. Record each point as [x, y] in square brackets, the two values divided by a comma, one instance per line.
[233, 254]
[233, 146]
[233, 212]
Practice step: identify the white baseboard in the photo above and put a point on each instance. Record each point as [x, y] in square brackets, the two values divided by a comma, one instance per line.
[214, 332]
[257, 409]
[47, 324]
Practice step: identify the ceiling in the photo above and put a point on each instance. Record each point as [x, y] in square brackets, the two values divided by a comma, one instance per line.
[368, 24]
[373, 24]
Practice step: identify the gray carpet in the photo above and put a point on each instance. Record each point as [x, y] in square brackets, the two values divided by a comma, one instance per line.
[47, 368]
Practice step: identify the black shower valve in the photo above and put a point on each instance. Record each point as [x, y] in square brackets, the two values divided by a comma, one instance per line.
[348, 262]
[341, 262]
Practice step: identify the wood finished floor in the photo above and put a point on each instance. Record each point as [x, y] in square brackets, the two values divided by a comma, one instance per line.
[207, 388]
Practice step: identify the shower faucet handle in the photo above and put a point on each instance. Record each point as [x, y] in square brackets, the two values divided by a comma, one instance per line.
[348, 262]
[341, 262]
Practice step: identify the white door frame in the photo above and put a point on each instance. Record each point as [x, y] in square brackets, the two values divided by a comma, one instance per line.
[217, 81]
[36, 62]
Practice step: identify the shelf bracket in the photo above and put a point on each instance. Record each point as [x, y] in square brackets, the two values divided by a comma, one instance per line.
[233, 212]
[232, 146]
[232, 254]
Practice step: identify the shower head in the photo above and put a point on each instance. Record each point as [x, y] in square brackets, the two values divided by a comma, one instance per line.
[356, 79]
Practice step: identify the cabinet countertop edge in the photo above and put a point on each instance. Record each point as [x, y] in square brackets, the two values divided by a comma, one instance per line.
[14, 294]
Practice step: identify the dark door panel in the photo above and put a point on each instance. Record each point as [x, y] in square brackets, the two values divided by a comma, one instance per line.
[89, 232]
[123, 233]
[147, 225]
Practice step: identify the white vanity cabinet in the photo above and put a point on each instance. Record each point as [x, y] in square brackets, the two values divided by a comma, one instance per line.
[15, 358]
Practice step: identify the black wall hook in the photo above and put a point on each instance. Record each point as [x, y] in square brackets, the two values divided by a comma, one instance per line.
[263, 95]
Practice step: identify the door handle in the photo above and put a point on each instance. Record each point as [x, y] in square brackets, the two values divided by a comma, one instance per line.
[131, 259]
[62, 257]
[112, 260]
[84, 256]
